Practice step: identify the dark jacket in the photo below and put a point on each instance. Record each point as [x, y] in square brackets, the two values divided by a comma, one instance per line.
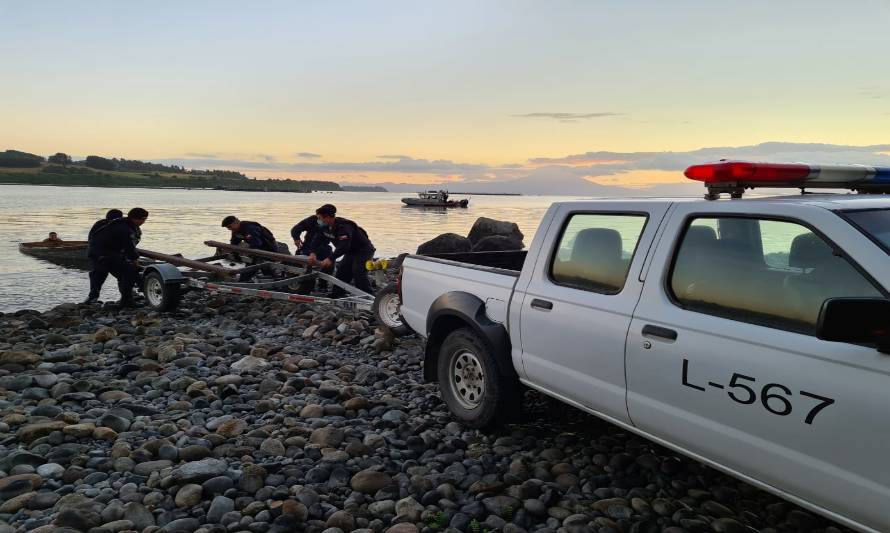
[314, 239]
[101, 223]
[116, 238]
[256, 236]
[348, 238]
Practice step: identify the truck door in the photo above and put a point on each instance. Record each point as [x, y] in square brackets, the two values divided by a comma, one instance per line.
[722, 357]
[577, 305]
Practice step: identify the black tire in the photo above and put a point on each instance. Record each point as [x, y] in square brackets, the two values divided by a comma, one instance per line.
[385, 310]
[161, 296]
[490, 399]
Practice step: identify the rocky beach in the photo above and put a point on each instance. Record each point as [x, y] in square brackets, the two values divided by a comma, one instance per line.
[237, 415]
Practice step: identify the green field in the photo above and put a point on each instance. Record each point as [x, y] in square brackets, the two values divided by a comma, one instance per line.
[74, 175]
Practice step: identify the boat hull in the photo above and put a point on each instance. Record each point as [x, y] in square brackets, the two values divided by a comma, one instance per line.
[417, 202]
[68, 254]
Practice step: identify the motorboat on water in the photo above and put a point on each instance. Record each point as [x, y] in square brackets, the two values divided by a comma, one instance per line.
[435, 199]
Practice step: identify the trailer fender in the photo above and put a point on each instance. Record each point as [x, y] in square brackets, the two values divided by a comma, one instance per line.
[455, 310]
[168, 272]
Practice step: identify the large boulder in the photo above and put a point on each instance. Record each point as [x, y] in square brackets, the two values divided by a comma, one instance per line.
[489, 227]
[447, 243]
[497, 243]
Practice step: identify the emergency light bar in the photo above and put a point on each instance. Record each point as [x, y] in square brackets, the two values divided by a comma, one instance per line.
[733, 177]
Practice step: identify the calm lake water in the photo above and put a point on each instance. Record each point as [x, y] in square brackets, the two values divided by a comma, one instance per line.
[182, 220]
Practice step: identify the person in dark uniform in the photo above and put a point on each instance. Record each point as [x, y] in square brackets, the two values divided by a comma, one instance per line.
[112, 248]
[314, 245]
[254, 235]
[112, 214]
[351, 243]
[98, 276]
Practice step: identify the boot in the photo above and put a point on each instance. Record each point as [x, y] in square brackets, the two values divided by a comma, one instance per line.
[127, 300]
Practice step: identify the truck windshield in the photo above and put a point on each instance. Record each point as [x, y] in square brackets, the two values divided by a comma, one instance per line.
[875, 223]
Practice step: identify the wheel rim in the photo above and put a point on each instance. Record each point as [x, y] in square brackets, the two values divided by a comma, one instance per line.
[467, 379]
[389, 311]
[154, 291]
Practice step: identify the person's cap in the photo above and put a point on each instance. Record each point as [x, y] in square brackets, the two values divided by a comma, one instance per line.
[113, 214]
[327, 210]
[137, 213]
[229, 220]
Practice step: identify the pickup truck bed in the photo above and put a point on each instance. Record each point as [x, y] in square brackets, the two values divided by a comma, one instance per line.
[489, 276]
[513, 260]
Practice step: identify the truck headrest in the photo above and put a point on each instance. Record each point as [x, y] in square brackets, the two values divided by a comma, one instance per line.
[597, 243]
[808, 251]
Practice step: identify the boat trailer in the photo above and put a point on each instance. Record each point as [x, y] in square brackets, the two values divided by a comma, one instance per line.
[278, 277]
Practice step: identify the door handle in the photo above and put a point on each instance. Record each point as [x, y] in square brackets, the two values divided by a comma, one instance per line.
[543, 305]
[657, 331]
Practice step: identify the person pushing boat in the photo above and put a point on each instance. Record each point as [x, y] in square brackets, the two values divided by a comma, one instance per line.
[112, 250]
[309, 239]
[351, 243]
[253, 234]
[99, 275]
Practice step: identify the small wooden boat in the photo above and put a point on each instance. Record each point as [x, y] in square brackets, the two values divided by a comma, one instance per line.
[70, 254]
[434, 199]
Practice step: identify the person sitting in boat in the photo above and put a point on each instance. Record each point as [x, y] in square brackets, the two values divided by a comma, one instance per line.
[52, 238]
[253, 234]
[99, 275]
[310, 241]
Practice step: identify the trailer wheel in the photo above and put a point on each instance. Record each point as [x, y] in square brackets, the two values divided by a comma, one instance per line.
[386, 310]
[159, 295]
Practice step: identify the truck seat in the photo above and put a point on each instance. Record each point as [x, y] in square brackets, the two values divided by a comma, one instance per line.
[824, 275]
[595, 261]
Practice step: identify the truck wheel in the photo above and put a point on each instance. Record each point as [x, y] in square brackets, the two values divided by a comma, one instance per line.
[159, 295]
[476, 391]
[386, 310]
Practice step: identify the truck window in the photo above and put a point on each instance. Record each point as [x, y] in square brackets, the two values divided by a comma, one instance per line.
[875, 223]
[595, 250]
[767, 272]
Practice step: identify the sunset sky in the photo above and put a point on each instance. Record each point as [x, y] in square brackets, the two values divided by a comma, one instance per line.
[408, 91]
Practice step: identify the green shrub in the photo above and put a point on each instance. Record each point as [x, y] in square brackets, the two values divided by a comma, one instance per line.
[16, 159]
[101, 163]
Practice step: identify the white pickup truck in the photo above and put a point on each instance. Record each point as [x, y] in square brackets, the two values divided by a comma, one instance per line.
[749, 334]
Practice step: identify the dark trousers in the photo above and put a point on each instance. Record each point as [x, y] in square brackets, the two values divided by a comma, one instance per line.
[116, 265]
[321, 253]
[98, 275]
[351, 269]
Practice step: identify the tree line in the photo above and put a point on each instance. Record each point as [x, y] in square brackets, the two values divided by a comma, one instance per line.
[61, 169]
[18, 159]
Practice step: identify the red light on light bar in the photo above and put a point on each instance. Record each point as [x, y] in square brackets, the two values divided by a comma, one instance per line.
[731, 171]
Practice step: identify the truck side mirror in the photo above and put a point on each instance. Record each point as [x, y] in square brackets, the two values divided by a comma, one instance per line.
[856, 320]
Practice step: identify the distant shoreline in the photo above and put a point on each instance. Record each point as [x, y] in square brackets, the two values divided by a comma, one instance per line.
[78, 175]
[487, 193]
[131, 186]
